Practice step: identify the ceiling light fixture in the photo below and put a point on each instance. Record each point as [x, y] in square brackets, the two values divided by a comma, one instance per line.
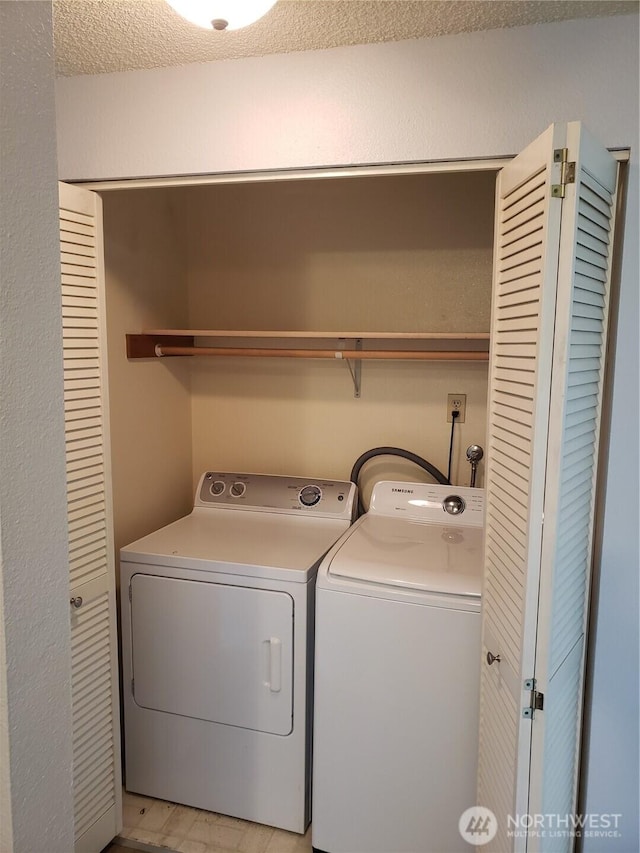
[222, 14]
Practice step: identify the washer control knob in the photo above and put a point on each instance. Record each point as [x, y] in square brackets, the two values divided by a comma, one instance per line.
[310, 495]
[238, 489]
[217, 487]
[453, 504]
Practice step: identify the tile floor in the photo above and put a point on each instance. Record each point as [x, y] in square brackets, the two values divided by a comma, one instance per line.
[187, 830]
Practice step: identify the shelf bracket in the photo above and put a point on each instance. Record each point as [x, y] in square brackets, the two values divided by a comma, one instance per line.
[144, 346]
[355, 368]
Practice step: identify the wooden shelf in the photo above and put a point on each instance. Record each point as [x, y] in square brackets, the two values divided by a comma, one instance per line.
[235, 333]
[407, 346]
[456, 346]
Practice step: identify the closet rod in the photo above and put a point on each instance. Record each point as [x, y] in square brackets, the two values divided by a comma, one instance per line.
[417, 355]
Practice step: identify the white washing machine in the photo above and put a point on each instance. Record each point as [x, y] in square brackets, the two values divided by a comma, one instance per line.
[217, 639]
[397, 673]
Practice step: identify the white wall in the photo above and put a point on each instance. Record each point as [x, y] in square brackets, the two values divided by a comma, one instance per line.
[393, 253]
[149, 409]
[36, 811]
[461, 96]
[474, 95]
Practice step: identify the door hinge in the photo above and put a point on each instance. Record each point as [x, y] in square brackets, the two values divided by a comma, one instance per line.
[536, 699]
[567, 172]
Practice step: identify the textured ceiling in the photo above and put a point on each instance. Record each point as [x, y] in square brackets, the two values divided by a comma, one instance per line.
[98, 36]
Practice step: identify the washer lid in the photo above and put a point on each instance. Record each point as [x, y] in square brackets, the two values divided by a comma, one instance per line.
[398, 552]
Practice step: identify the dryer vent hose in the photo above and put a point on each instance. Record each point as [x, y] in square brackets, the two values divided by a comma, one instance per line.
[393, 451]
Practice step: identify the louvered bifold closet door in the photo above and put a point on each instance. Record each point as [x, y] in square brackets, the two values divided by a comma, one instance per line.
[551, 280]
[576, 399]
[96, 756]
[525, 265]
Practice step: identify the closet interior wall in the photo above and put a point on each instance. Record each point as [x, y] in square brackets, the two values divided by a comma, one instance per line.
[150, 403]
[385, 253]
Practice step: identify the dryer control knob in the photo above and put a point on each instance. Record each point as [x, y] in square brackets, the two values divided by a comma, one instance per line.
[238, 489]
[217, 487]
[310, 495]
[453, 504]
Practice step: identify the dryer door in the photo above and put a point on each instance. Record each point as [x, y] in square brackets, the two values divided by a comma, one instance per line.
[214, 652]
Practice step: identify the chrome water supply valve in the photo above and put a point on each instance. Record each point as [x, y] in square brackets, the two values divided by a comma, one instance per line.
[474, 455]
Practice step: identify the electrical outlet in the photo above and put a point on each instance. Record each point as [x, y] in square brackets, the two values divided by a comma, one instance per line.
[456, 403]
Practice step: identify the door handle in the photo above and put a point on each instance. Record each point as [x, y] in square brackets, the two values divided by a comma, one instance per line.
[275, 664]
[491, 658]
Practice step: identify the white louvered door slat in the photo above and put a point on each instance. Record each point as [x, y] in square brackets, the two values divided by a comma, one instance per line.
[551, 274]
[96, 757]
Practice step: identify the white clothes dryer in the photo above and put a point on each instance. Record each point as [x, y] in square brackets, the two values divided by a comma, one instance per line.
[397, 673]
[217, 640]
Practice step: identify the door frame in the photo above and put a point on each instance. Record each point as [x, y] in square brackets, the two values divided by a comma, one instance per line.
[418, 167]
